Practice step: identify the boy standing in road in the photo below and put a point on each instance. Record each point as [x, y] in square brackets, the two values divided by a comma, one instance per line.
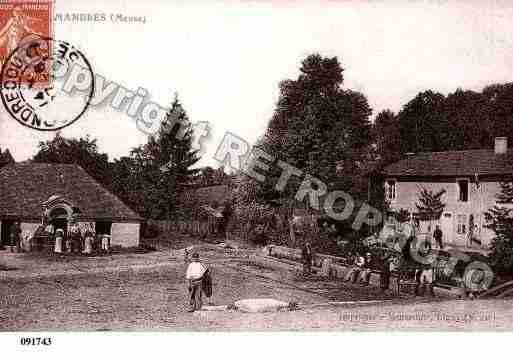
[194, 276]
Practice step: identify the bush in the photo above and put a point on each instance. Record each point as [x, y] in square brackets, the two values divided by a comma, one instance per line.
[258, 224]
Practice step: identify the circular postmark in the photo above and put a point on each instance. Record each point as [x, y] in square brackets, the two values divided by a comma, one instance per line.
[37, 82]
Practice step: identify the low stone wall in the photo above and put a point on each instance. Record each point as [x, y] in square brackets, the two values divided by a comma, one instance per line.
[335, 267]
[295, 255]
[330, 266]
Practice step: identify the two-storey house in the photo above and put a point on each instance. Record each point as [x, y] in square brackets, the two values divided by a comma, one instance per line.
[471, 180]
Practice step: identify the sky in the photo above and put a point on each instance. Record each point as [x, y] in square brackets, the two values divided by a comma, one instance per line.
[225, 59]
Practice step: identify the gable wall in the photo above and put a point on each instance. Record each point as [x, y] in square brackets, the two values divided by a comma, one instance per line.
[125, 234]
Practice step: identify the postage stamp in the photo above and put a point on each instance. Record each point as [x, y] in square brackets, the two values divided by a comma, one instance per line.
[21, 19]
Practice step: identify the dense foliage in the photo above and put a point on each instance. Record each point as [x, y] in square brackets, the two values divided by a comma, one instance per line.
[318, 127]
[434, 122]
[500, 220]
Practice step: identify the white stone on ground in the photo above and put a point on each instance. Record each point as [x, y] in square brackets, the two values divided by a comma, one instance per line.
[260, 305]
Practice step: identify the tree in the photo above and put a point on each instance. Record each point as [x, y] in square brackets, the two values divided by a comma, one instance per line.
[5, 158]
[421, 124]
[500, 109]
[132, 183]
[151, 179]
[430, 206]
[208, 176]
[387, 136]
[467, 117]
[500, 220]
[461, 121]
[171, 159]
[82, 151]
[401, 215]
[318, 126]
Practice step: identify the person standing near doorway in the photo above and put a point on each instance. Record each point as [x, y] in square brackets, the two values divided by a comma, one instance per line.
[76, 237]
[15, 235]
[297, 229]
[387, 265]
[438, 235]
[88, 239]
[59, 238]
[307, 256]
[194, 277]
[105, 243]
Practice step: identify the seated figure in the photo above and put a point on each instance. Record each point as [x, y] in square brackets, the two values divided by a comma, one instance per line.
[355, 269]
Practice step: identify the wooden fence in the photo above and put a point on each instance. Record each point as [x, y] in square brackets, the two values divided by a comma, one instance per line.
[236, 230]
[201, 228]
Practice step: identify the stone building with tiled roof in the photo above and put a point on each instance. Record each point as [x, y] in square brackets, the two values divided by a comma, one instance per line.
[28, 189]
[470, 178]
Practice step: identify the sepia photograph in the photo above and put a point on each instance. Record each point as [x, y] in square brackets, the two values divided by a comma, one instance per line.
[255, 166]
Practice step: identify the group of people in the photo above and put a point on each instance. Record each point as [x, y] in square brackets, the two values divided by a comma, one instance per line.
[79, 240]
[361, 268]
[386, 261]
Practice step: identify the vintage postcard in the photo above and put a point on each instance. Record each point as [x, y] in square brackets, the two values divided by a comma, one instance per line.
[255, 166]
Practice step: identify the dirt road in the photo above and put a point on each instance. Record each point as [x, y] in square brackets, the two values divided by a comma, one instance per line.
[145, 291]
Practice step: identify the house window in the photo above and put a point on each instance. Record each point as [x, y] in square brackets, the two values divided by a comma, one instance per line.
[462, 224]
[390, 190]
[463, 190]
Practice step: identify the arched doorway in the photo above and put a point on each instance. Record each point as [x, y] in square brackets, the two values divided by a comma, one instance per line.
[58, 211]
[59, 218]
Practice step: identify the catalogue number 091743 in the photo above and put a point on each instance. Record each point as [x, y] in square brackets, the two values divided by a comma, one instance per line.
[35, 341]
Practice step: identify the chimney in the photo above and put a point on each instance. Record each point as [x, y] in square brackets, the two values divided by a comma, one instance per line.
[501, 145]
